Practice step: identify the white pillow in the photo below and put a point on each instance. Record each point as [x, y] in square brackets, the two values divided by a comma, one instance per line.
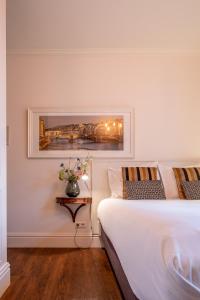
[115, 182]
[115, 177]
[168, 177]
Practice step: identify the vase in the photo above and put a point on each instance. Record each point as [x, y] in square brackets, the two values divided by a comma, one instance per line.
[72, 189]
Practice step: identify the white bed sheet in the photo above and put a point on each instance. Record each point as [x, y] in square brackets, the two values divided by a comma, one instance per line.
[158, 244]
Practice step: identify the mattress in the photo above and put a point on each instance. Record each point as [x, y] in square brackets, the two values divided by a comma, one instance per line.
[158, 245]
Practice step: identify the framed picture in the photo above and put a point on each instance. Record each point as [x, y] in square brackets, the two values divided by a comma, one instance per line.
[70, 133]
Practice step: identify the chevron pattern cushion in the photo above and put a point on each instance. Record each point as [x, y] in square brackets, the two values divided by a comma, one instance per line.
[149, 189]
[185, 174]
[191, 189]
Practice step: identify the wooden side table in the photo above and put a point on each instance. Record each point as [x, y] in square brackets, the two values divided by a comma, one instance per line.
[65, 201]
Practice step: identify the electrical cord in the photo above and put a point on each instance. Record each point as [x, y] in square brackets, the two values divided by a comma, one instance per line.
[91, 227]
[92, 235]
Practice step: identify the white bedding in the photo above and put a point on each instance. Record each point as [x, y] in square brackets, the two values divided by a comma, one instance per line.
[158, 244]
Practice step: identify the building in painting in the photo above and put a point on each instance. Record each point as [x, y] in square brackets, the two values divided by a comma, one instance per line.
[42, 128]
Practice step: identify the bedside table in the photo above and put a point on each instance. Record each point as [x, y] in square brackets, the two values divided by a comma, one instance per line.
[65, 201]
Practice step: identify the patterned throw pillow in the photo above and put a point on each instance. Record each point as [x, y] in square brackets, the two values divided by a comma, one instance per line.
[185, 174]
[134, 174]
[192, 189]
[149, 189]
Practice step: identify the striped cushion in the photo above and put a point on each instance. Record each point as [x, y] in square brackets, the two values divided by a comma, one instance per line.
[185, 174]
[138, 174]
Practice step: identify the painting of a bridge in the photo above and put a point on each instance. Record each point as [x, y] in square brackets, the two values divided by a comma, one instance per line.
[74, 132]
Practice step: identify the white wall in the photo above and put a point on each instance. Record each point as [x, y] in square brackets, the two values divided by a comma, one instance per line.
[134, 24]
[162, 88]
[4, 266]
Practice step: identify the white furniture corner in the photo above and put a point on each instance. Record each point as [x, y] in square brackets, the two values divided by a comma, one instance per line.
[4, 265]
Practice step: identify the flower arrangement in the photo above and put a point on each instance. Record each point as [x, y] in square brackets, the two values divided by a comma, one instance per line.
[75, 172]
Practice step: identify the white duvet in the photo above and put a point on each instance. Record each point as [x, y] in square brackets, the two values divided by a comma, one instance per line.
[158, 244]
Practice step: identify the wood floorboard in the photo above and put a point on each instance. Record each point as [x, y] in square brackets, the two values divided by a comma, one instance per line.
[60, 274]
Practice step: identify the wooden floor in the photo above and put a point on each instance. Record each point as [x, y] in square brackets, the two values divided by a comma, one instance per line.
[61, 274]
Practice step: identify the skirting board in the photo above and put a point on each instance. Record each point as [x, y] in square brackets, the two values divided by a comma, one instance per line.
[4, 277]
[53, 241]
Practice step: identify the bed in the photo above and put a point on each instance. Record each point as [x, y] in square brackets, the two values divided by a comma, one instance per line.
[154, 247]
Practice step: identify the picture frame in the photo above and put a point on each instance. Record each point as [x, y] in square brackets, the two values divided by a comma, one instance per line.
[64, 132]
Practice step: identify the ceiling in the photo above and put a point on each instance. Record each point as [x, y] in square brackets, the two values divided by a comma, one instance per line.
[71, 24]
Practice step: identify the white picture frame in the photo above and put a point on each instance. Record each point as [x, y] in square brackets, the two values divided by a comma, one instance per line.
[36, 116]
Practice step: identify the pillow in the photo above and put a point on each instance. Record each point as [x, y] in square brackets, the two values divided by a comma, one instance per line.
[138, 174]
[149, 189]
[168, 177]
[191, 189]
[115, 182]
[115, 177]
[185, 174]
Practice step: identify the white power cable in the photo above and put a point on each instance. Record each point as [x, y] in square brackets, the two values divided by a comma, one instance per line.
[91, 227]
